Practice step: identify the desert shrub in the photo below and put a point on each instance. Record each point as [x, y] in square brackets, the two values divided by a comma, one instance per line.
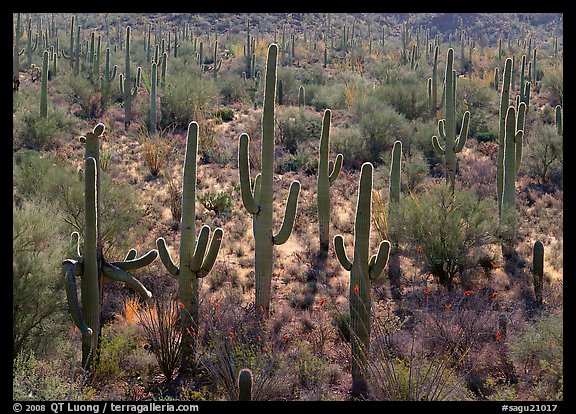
[37, 290]
[459, 223]
[115, 346]
[186, 98]
[219, 203]
[381, 126]
[297, 162]
[408, 99]
[225, 114]
[156, 148]
[296, 126]
[543, 152]
[29, 130]
[414, 170]
[325, 96]
[538, 350]
[348, 142]
[553, 81]
[232, 90]
[40, 177]
[37, 380]
[478, 174]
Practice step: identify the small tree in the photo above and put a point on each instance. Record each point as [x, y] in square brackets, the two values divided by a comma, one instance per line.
[447, 228]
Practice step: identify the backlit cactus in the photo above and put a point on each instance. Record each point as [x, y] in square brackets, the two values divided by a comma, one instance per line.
[504, 104]
[327, 174]
[447, 127]
[90, 263]
[258, 201]
[363, 269]
[197, 256]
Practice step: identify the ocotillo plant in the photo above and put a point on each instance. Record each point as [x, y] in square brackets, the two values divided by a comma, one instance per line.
[538, 270]
[326, 176]
[511, 162]
[363, 269]
[44, 87]
[259, 201]
[194, 263]
[245, 385]
[128, 92]
[90, 264]
[447, 127]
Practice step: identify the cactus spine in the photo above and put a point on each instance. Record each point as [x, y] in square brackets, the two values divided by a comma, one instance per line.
[447, 127]
[194, 263]
[363, 269]
[326, 176]
[90, 264]
[245, 385]
[259, 202]
[538, 270]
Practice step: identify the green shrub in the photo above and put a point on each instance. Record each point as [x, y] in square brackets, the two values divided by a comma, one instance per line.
[296, 126]
[297, 162]
[544, 152]
[219, 203]
[225, 114]
[461, 224]
[348, 142]
[37, 380]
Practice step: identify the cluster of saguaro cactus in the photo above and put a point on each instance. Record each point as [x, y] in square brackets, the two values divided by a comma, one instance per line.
[197, 256]
[90, 264]
[258, 201]
[447, 127]
[327, 174]
[363, 269]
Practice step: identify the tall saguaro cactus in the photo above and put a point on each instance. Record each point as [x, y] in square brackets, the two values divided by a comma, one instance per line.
[44, 87]
[327, 174]
[18, 33]
[394, 272]
[126, 83]
[90, 263]
[194, 263]
[362, 271]
[504, 104]
[447, 127]
[258, 201]
[511, 164]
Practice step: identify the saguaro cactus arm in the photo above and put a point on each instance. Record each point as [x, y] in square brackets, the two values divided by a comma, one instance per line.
[166, 258]
[244, 168]
[116, 273]
[213, 250]
[335, 168]
[461, 140]
[69, 270]
[378, 261]
[289, 215]
[136, 263]
[341, 252]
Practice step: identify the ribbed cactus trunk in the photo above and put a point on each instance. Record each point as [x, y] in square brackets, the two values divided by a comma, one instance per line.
[259, 202]
[453, 144]
[195, 263]
[245, 385]
[326, 176]
[301, 97]
[153, 82]
[394, 270]
[16, 48]
[90, 283]
[363, 269]
[504, 104]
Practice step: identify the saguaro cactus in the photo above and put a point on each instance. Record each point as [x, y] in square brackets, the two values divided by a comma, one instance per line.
[109, 75]
[433, 86]
[538, 270]
[362, 271]
[153, 81]
[126, 82]
[559, 119]
[44, 86]
[394, 271]
[447, 127]
[327, 174]
[259, 201]
[245, 385]
[504, 104]
[301, 97]
[90, 264]
[18, 33]
[511, 163]
[194, 263]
